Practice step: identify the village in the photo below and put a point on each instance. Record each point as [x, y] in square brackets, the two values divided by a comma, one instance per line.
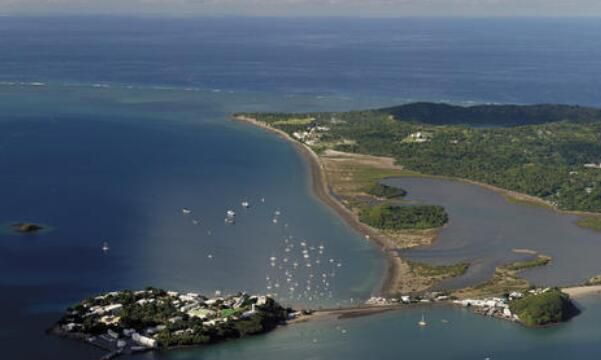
[127, 322]
[497, 307]
[311, 135]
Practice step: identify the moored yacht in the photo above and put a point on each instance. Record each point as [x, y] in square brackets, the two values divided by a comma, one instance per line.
[422, 322]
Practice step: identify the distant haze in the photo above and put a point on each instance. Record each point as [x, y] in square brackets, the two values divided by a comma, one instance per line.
[306, 7]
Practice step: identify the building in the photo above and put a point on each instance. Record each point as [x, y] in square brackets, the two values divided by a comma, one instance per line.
[144, 340]
[593, 165]
[113, 308]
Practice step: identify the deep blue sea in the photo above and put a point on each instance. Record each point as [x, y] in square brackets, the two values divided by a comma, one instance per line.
[110, 126]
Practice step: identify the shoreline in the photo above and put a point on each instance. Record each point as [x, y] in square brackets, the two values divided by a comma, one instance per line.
[582, 291]
[321, 190]
[514, 196]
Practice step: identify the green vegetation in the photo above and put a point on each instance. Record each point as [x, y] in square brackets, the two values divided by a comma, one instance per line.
[394, 217]
[173, 319]
[590, 222]
[294, 122]
[445, 271]
[385, 191]
[506, 279]
[537, 150]
[540, 260]
[546, 308]
[491, 115]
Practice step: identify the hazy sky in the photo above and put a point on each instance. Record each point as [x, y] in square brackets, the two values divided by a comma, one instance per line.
[309, 7]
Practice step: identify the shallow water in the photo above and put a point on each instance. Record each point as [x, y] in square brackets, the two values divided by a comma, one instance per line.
[462, 335]
[484, 228]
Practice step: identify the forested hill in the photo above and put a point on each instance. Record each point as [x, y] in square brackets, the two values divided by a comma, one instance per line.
[491, 115]
[559, 161]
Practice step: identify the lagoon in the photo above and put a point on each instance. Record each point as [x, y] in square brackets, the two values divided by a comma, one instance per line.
[485, 227]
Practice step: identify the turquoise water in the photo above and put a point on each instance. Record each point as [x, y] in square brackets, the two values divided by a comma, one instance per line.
[108, 128]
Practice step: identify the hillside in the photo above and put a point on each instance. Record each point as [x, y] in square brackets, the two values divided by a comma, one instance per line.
[491, 115]
[556, 156]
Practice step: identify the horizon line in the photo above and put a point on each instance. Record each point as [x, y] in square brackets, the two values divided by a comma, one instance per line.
[252, 16]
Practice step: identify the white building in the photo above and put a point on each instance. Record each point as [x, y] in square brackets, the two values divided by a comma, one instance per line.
[144, 340]
[113, 308]
[593, 166]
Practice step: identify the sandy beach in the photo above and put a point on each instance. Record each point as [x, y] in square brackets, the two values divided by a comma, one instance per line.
[580, 291]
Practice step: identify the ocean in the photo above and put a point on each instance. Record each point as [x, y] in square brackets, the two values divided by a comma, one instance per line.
[110, 126]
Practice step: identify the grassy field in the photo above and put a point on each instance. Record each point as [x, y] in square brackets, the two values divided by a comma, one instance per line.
[590, 222]
[444, 271]
[540, 260]
[293, 122]
[505, 279]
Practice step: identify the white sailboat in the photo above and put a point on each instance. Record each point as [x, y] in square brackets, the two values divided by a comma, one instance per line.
[422, 322]
[105, 247]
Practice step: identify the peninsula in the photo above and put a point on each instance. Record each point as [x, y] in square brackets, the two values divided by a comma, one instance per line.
[543, 155]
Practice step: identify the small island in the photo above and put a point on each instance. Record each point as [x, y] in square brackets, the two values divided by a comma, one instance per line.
[26, 228]
[533, 308]
[399, 217]
[126, 322]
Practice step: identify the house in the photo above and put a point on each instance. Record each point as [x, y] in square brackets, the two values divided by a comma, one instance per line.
[249, 313]
[175, 319]
[144, 301]
[261, 300]
[593, 166]
[201, 313]
[417, 137]
[110, 319]
[113, 308]
[144, 340]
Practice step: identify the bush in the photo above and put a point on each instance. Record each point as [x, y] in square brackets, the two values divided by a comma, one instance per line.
[394, 217]
[550, 307]
[385, 191]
